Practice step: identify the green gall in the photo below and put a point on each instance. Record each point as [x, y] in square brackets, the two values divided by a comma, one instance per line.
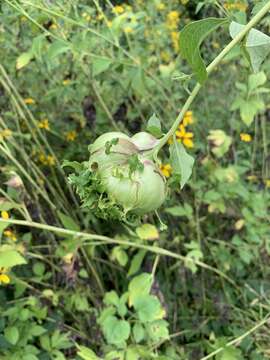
[121, 177]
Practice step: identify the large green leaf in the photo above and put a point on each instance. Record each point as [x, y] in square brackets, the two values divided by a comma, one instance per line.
[10, 257]
[86, 353]
[191, 38]
[116, 331]
[154, 126]
[148, 308]
[181, 161]
[139, 286]
[257, 44]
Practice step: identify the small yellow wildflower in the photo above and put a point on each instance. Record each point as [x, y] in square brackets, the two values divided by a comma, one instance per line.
[185, 137]
[10, 234]
[188, 118]
[118, 9]
[100, 17]
[166, 170]
[29, 101]
[4, 215]
[5, 133]
[245, 137]
[71, 135]
[53, 26]
[109, 23]
[128, 30]
[160, 6]
[172, 20]
[4, 278]
[175, 40]
[86, 16]
[50, 160]
[66, 82]
[44, 124]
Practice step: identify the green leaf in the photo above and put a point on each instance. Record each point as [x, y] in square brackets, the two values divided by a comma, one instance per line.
[11, 334]
[249, 109]
[185, 210]
[132, 354]
[147, 232]
[181, 161]
[57, 48]
[119, 254]
[191, 38]
[257, 44]
[86, 353]
[148, 308]
[111, 298]
[116, 331]
[256, 80]
[154, 126]
[10, 258]
[158, 330]
[100, 65]
[68, 222]
[136, 262]
[139, 286]
[24, 60]
[138, 332]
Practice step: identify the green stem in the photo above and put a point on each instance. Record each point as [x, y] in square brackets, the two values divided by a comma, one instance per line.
[106, 240]
[240, 36]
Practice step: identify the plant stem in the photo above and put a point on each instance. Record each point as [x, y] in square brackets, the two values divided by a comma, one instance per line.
[240, 36]
[106, 240]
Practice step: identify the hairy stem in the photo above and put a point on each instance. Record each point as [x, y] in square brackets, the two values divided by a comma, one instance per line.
[240, 36]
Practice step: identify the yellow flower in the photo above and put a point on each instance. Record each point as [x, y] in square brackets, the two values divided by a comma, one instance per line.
[166, 170]
[29, 101]
[128, 30]
[188, 118]
[50, 160]
[118, 9]
[86, 16]
[66, 82]
[245, 137]
[71, 135]
[267, 183]
[4, 278]
[175, 40]
[172, 20]
[185, 137]
[44, 124]
[5, 133]
[53, 26]
[100, 17]
[10, 234]
[4, 215]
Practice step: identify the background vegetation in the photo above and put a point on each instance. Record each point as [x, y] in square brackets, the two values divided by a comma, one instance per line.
[72, 70]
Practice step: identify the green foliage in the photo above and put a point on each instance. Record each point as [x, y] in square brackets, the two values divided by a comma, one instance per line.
[191, 38]
[133, 288]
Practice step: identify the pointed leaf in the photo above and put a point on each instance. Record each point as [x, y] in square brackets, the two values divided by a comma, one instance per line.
[257, 44]
[181, 161]
[154, 126]
[191, 38]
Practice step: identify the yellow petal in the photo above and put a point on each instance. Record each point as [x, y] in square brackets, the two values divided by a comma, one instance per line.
[4, 215]
[189, 135]
[5, 279]
[188, 143]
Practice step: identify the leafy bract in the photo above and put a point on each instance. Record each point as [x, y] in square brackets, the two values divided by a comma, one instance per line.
[191, 38]
[181, 161]
[257, 44]
[154, 126]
